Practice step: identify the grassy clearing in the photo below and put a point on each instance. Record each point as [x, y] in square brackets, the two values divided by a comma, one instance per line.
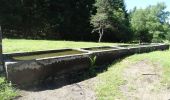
[108, 88]
[7, 92]
[21, 45]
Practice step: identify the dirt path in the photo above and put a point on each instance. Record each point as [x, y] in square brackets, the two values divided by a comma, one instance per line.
[77, 91]
[143, 82]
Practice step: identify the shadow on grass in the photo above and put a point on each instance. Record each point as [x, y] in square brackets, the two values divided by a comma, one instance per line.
[56, 82]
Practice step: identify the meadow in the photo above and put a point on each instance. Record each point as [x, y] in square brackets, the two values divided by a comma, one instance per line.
[111, 79]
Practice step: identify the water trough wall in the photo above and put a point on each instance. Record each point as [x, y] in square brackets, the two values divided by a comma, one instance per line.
[33, 71]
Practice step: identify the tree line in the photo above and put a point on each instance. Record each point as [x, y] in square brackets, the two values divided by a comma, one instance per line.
[85, 20]
[151, 24]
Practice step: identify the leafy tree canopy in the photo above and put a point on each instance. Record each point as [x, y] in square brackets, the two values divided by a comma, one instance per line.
[150, 24]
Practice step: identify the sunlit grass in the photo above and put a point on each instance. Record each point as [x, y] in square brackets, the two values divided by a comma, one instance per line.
[109, 86]
[22, 45]
[110, 81]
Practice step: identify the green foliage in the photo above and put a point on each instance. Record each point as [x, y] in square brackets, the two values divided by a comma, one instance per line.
[111, 16]
[102, 19]
[65, 19]
[150, 24]
[45, 18]
[92, 60]
[7, 92]
[92, 70]
[168, 36]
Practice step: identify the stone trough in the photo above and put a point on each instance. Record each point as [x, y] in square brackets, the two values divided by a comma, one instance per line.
[25, 69]
[144, 48]
[22, 70]
[107, 54]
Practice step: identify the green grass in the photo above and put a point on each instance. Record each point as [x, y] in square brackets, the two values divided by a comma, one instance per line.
[7, 92]
[22, 45]
[110, 80]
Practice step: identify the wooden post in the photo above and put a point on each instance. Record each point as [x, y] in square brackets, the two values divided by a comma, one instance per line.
[2, 68]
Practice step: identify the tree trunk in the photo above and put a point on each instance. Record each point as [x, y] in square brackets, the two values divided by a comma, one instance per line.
[100, 35]
[2, 67]
[22, 2]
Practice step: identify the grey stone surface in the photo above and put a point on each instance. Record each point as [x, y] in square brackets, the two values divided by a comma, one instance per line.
[32, 72]
[25, 73]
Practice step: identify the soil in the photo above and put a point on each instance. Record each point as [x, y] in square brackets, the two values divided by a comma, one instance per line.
[77, 91]
[143, 82]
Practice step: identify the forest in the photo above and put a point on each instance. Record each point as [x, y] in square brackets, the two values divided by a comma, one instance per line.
[83, 20]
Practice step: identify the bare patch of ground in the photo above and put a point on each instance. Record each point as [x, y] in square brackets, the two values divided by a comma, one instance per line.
[143, 82]
[77, 91]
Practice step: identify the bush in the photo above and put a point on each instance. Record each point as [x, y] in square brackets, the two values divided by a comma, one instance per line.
[168, 36]
[7, 92]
